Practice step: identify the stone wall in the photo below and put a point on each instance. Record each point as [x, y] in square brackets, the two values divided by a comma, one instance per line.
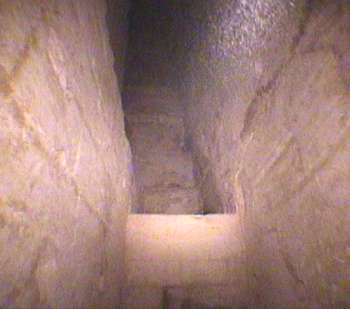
[156, 45]
[65, 161]
[268, 87]
[228, 62]
[117, 21]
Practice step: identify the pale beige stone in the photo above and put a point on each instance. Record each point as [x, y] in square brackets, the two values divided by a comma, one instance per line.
[142, 297]
[182, 250]
[64, 163]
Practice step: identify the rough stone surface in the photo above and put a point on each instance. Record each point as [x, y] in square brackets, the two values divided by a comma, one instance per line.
[64, 163]
[162, 165]
[271, 78]
[153, 57]
[117, 21]
[184, 260]
[267, 91]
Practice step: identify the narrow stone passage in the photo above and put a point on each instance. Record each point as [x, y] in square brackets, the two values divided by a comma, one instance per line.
[235, 191]
[163, 165]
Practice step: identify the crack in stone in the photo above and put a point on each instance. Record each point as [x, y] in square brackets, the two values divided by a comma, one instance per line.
[253, 106]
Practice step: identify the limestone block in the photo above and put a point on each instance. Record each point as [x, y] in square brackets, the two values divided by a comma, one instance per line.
[155, 272]
[153, 131]
[164, 169]
[171, 201]
[182, 250]
[64, 163]
[205, 272]
[215, 296]
[142, 297]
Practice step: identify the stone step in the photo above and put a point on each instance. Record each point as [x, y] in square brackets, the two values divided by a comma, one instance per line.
[171, 200]
[163, 170]
[162, 166]
[183, 261]
[150, 132]
[181, 250]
